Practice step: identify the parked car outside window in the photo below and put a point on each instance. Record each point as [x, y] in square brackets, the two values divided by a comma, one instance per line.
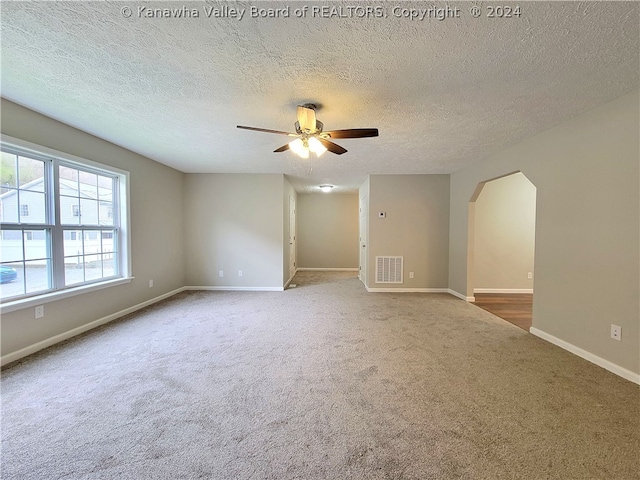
[7, 274]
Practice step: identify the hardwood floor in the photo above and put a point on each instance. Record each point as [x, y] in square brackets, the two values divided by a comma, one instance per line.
[515, 308]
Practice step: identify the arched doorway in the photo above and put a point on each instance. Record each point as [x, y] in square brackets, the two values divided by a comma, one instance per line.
[501, 247]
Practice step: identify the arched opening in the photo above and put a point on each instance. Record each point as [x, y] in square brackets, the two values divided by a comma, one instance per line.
[501, 247]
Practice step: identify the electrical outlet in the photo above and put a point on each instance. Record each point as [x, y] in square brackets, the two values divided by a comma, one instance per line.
[410, 274]
[40, 311]
[221, 273]
[530, 275]
[151, 283]
[239, 273]
[616, 332]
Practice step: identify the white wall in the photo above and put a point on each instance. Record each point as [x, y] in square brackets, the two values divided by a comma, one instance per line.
[234, 222]
[156, 231]
[586, 171]
[416, 227]
[328, 230]
[505, 216]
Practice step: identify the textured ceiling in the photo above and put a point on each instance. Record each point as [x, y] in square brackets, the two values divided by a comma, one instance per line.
[444, 94]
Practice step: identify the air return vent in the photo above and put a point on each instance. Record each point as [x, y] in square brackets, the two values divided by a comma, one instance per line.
[389, 269]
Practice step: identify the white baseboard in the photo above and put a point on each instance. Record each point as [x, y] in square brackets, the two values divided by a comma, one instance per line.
[503, 290]
[237, 289]
[601, 362]
[461, 296]
[23, 352]
[306, 269]
[420, 290]
[406, 290]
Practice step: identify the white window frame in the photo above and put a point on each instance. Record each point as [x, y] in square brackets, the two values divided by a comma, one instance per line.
[123, 215]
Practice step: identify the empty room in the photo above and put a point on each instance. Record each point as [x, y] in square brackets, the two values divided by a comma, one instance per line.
[320, 240]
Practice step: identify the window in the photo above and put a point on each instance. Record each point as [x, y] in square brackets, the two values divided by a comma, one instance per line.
[63, 222]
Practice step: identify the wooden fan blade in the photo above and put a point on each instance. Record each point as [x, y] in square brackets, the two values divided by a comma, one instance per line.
[283, 148]
[353, 133]
[255, 129]
[307, 119]
[332, 147]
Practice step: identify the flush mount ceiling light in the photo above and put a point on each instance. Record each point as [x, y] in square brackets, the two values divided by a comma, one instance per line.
[326, 188]
[311, 138]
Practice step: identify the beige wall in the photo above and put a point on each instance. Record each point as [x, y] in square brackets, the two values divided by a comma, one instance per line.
[156, 231]
[185, 228]
[234, 222]
[416, 227]
[586, 171]
[505, 216]
[328, 230]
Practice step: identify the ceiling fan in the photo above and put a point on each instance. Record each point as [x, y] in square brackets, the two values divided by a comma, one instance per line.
[310, 136]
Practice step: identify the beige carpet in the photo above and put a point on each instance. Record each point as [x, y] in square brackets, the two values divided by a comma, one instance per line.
[323, 381]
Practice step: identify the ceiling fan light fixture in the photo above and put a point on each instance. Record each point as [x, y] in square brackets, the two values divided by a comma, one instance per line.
[326, 188]
[298, 147]
[316, 147]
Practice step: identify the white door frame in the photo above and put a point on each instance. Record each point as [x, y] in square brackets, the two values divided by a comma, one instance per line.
[292, 237]
[362, 273]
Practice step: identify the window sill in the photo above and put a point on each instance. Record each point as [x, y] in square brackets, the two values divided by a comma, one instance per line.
[15, 305]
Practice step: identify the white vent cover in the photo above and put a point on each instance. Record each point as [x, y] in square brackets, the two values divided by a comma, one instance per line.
[389, 269]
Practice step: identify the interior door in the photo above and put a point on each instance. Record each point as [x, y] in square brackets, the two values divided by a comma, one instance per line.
[363, 240]
[292, 236]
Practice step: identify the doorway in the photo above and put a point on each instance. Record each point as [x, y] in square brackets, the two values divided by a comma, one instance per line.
[292, 237]
[362, 274]
[501, 248]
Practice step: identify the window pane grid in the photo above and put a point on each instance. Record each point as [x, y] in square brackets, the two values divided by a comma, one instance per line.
[23, 189]
[90, 255]
[25, 265]
[59, 223]
[86, 198]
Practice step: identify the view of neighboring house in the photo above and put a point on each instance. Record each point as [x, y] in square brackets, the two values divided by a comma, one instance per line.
[58, 224]
[80, 204]
[86, 213]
